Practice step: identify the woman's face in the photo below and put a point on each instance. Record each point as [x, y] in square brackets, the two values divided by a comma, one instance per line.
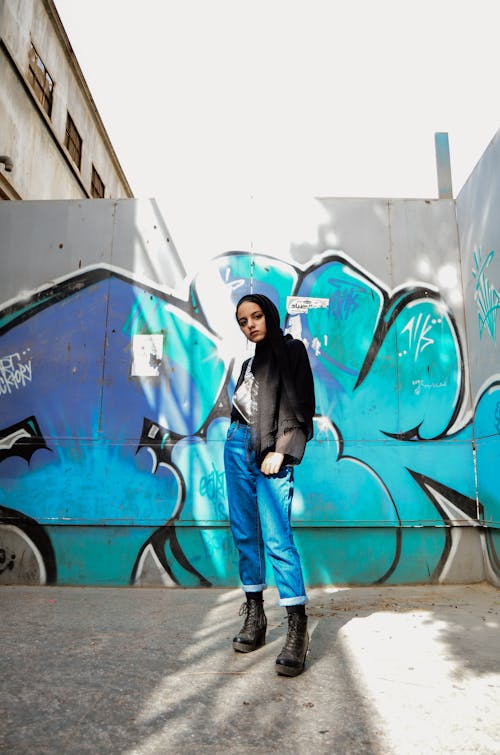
[252, 321]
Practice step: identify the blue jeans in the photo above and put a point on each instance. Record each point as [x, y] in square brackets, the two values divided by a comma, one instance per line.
[259, 512]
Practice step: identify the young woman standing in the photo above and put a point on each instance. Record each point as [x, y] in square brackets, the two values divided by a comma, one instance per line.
[271, 421]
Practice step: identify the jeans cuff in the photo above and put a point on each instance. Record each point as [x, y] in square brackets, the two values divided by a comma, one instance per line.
[301, 600]
[254, 588]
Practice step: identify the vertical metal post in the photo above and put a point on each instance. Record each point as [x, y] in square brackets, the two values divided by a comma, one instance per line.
[443, 165]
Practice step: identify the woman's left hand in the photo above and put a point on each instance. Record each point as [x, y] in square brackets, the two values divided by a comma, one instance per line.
[272, 463]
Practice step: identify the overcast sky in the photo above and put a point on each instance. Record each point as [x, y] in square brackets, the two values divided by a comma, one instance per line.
[211, 104]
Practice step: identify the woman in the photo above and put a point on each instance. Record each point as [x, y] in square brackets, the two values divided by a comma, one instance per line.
[271, 421]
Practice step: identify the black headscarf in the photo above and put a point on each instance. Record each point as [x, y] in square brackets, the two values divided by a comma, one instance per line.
[279, 408]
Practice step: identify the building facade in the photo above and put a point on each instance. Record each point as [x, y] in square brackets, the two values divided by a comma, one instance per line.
[53, 143]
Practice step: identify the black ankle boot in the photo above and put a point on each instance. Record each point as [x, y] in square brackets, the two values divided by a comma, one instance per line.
[290, 661]
[253, 632]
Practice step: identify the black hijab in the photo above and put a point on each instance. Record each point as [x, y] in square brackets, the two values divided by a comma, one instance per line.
[279, 408]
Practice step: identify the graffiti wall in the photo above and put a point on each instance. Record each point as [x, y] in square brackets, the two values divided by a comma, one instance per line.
[480, 252]
[117, 370]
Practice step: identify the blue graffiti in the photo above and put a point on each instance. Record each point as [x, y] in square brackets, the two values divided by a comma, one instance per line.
[343, 300]
[116, 402]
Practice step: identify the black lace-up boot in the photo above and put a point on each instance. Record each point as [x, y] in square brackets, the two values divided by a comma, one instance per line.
[290, 661]
[252, 634]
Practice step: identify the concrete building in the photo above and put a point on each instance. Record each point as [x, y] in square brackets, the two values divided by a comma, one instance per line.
[53, 143]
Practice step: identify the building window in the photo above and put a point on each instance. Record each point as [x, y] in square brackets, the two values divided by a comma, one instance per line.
[73, 141]
[97, 186]
[41, 81]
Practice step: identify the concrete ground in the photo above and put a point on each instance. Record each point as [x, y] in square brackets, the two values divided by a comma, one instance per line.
[150, 670]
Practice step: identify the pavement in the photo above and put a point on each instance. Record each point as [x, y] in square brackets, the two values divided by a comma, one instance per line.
[151, 670]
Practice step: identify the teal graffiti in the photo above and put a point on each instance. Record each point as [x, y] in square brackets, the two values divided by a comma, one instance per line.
[141, 457]
[486, 296]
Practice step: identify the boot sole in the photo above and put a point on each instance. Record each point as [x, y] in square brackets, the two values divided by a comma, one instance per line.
[248, 647]
[289, 670]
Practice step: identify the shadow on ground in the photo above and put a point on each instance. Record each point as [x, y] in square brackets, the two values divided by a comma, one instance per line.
[124, 670]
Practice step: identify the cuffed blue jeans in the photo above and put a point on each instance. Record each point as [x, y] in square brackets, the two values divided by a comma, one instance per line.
[259, 512]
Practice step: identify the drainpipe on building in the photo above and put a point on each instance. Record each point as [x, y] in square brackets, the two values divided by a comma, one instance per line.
[443, 165]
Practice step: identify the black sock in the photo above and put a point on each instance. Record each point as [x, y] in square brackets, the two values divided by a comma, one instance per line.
[254, 596]
[300, 609]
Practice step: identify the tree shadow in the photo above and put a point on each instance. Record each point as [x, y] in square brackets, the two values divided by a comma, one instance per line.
[152, 670]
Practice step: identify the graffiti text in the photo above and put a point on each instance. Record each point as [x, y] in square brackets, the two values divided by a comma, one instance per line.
[14, 373]
[486, 296]
[344, 299]
[417, 330]
[212, 485]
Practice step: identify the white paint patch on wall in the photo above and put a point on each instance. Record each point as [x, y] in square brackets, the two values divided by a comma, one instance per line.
[147, 354]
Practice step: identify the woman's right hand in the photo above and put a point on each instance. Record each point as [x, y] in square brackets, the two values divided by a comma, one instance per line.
[272, 463]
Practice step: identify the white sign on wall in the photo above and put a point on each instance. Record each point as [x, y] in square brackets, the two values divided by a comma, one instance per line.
[297, 304]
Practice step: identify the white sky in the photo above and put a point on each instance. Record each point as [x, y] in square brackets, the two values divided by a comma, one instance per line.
[212, 103]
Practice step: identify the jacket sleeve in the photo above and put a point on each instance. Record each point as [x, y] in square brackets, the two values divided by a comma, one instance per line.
[303, 384]
[292, 443]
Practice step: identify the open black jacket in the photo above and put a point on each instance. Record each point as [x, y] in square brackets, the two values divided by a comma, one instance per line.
[290, 442]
